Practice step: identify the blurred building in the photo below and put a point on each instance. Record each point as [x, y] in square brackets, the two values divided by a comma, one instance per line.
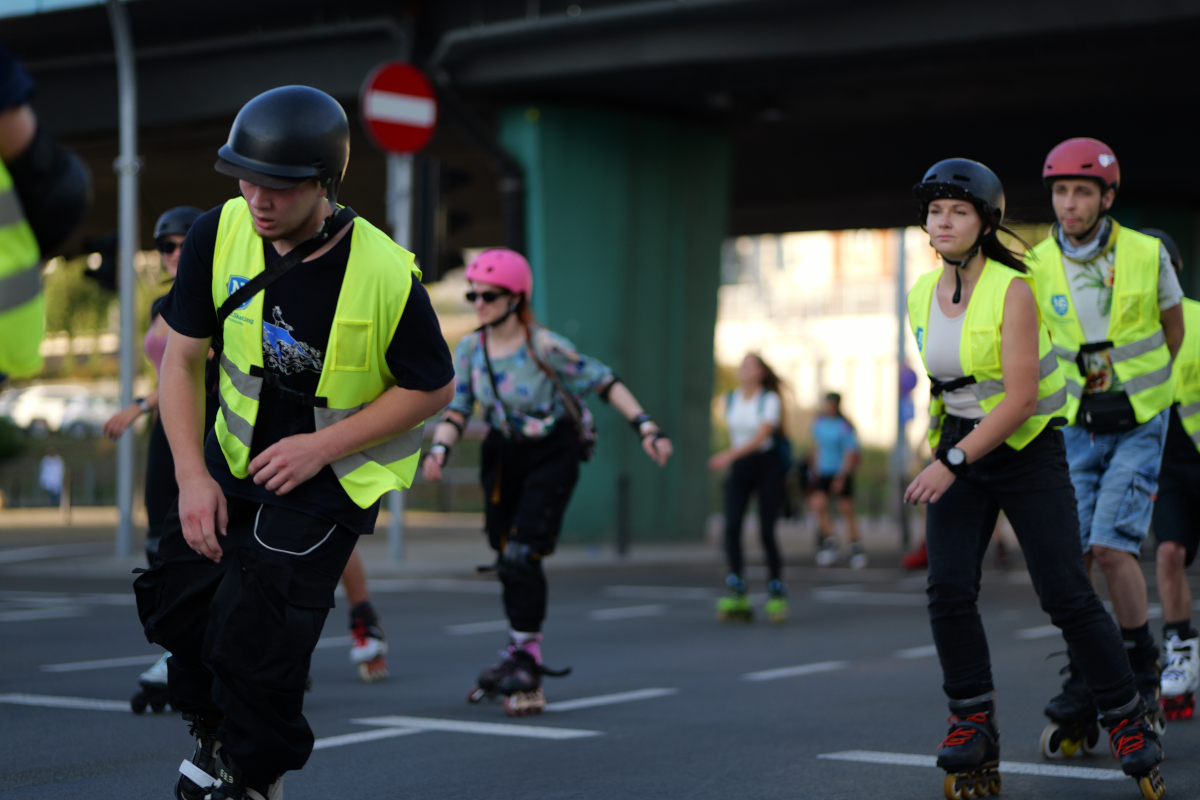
[821, 308]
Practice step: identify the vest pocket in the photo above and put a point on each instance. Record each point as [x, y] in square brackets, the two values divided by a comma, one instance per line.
[985, 352]
[1128, 306]
[351, 345]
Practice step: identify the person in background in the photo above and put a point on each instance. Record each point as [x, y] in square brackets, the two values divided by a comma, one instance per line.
[754, 416]
[51, 475]
[835, 457]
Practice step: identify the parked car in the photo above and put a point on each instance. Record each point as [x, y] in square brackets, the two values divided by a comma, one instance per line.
[85, 415]
[40, 409]
[8, 398]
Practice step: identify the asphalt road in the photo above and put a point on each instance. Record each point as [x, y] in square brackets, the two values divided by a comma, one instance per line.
[718, 710]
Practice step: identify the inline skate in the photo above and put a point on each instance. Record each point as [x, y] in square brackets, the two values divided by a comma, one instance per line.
[777, 603]
[1180, 677]
[1073, 729]
[1134, 743]
[735, 605]
[198, 774]
[368, 647]
[1147, 676]
[970, 753]
[518, 678]
[153, 688]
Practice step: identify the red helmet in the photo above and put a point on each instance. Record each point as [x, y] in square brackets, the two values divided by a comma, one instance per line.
[1083, 158]
[502, 267]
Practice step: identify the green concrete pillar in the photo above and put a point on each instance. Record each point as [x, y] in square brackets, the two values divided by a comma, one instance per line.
[626, 215]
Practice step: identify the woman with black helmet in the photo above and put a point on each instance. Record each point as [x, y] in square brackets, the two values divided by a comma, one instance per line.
[996, 395]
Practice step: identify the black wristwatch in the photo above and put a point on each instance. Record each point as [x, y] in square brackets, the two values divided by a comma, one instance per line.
[955, 460]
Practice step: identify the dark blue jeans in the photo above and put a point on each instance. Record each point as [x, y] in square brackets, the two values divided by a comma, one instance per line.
[1033, 488]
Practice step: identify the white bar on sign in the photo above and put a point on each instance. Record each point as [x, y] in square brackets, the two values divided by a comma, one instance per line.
[401, 109]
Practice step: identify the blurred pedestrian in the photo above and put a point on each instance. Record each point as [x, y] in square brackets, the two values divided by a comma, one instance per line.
[330, 359]
[44, 192]
[835, 457]
[997, 398]
[530, 383]
[51, 474]
[756, 463]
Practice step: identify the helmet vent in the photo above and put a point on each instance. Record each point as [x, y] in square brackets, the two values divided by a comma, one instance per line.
[962, 178]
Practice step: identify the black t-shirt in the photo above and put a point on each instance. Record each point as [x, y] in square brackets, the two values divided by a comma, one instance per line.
[1179, 448]
[298, 311]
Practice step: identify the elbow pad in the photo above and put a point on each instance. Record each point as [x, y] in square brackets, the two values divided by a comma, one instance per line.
[54, 186]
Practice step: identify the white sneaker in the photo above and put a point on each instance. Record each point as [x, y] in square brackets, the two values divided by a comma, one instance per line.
[157, 673]
[1181, 669]
[827, 553]
[858, 558]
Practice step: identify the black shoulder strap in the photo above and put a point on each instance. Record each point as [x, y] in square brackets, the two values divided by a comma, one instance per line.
[276, 270]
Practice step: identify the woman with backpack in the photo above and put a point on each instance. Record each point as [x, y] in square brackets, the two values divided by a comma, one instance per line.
[530, 383]
[756, 457]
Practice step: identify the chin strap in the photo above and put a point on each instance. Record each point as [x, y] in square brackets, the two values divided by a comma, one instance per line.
[959, 265]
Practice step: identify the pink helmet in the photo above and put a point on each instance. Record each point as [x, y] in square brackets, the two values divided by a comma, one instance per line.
[1083, 158]
[502, 267]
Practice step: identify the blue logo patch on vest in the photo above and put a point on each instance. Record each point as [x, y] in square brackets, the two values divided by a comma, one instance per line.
[1060, 305]
[235, 283]
[921, 340]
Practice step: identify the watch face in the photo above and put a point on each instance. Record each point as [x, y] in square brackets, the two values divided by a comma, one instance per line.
[956, 456]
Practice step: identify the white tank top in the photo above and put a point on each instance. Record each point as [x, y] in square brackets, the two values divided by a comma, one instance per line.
[943, 362]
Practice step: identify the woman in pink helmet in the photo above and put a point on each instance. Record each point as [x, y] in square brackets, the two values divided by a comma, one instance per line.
[530, 383]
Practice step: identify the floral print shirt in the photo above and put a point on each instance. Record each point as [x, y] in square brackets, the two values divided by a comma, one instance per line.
[529, 406]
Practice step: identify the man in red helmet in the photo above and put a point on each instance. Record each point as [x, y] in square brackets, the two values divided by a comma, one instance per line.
[1111, 300]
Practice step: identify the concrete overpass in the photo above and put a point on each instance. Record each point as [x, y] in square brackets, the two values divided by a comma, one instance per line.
[647, 130]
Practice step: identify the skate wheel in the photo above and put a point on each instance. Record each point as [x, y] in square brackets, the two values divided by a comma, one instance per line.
[1152, 785]
[958, 787]
[475, 695]
[1090, 740]
[1070, 747]
[1051, 743]
[995, 782]
[158, 706]
[374, 670]
[137, 703]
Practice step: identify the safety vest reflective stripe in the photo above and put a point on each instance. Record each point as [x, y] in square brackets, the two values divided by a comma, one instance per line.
[240, 427]
[388, 452]
[1051, 403]
[1075, 390]
[19, 288]
[246, 384]
[1187, 372]
[1139, 348]
[1148, 381]
[990, 388]
[1062, 352]
[10, 208]
[1189, 409]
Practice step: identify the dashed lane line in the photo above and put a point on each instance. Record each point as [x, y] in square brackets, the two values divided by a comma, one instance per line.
[862, 598]
[483, 728]
[363, 736]
[609, 699]
[660, 592]
[917, 652]
[81, 703]
[1040, 632]
[468, 628]
[434, 585]
[1009, 767]
[101, 663]
[52, 551]
[33, 614]
[629, 612]
[792, 672]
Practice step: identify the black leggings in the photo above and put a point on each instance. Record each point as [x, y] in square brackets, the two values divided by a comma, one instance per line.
[528, 484]
[1033, 488]
[242, 632]
[761, 473]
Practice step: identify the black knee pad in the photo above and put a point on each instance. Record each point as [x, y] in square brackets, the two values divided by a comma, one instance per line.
[519, 562]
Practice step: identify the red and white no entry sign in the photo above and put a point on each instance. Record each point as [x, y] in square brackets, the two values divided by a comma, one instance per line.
[399, 108]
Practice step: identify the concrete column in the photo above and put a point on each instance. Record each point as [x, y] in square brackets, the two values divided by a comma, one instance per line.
[626, 216]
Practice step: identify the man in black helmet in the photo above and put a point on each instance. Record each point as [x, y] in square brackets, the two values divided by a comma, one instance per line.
[330, 359]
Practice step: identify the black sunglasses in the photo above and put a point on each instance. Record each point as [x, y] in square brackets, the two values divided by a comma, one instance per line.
[168, 247]
[487, 297]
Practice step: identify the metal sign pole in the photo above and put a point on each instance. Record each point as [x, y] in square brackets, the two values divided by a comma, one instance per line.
[126, 166]
[901, 455]
[399, 209]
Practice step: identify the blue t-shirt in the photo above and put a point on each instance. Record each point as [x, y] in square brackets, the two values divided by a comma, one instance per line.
[834, 437]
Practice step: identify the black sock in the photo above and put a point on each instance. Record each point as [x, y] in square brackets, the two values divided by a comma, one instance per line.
[1139, 639]
[1183, 630]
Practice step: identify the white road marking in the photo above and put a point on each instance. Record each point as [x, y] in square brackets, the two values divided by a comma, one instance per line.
[791, 672]
[1009, 767]
[469, 628]
[84, 703]
[860, 598]
[52, 551]
[102, 663]
[333, 641]
[60, 612]
[659, 592]
[364, 736]
[917, 652]
[485, 728]
[1040, 632]
[609, 699]
[46, 599]
[629, 612]
[434, 585]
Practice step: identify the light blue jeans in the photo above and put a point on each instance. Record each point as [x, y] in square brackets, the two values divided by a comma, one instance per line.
[1115, 476]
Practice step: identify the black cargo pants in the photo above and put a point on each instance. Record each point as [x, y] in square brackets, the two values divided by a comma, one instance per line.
[242, 632]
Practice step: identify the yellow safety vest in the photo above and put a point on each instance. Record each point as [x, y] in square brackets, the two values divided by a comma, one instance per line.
[22, 310]
[355, 372]
[979, 352]
[1139, 353]
[1187, 372]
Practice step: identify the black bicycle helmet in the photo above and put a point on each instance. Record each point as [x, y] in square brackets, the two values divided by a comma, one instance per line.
[176, 222]
[962, 179]
[285, 136]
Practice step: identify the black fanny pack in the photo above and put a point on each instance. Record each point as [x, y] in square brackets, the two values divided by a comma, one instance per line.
[1109, 412]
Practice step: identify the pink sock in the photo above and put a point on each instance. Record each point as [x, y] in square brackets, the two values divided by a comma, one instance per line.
[531, 643]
